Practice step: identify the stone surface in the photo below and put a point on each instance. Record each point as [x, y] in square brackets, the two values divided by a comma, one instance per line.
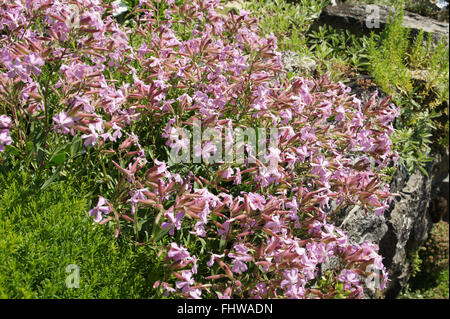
[406, 225]
[399, 233]
[354, 17]
[293, 62]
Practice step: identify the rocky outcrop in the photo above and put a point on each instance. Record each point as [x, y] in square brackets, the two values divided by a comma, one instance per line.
[293, 62]
[406, 225]
[422, 201]
[364, 18]
[402, 229]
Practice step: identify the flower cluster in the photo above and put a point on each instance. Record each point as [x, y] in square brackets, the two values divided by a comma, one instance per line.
[5, 137]
[265, 230]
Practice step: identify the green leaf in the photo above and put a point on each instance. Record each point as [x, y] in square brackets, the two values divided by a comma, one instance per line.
[75, 147]
[423, 171]
[58, 159]
[51, 179]
[203, 242]
[161, 234]
[222, 244]
[12, 149]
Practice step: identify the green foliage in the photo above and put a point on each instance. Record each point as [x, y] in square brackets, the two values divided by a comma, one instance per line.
[387, 59]
[413, 142]
[436, 250]
[430, 272]
[45, 231]
[438, 290]
[415, 72]
[289, 22]
[339, 52]
[415, 263]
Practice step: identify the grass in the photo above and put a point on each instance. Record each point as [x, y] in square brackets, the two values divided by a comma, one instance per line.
[45, 231]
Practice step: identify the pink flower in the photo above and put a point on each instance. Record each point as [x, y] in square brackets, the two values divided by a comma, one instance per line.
[224, 230]
[256, 201]
[5, 121]
[18, 68]
[5, 139]
[240, 255]
[290, 278]
[210, 263]
[199, 229]
[349, 278]
[178, 253]
[135, 197]
[195, 293]
[174, 221]
[225, 74]
[276, 224]
[228, 173]
[238, 266]
[187, 282]
[34, 61]
[379, 211]
[259, 291]
[320, 166]
[178, 140]
[274, 156]
[63, 122]
[292, 283]
[101, 208]
[237, 177]
[224, 295]
[91, 139]
[206, 151]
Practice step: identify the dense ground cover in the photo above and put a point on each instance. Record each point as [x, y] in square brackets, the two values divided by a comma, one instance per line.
[45, 232]
[93, 97]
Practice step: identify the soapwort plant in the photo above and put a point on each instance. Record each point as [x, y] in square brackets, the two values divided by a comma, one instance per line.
[80, 87]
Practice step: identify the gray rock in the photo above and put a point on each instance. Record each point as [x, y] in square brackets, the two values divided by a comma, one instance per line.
[301, 65]
[408, 225]
[402, 229]
[358, 19]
